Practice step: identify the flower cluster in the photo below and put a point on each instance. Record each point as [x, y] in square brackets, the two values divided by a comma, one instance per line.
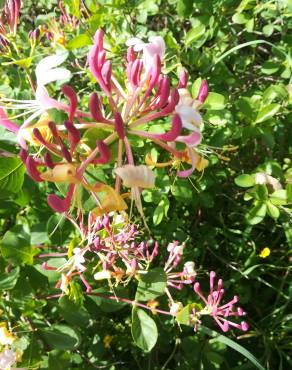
[144, 97]
[9, 19]
[111, 249]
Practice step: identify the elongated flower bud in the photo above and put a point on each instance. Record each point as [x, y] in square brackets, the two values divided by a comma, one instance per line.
[183, 79]
[203, 92]
[72, 96]
[164, 92]
[94, 107]
[48, 160]
[73, 135]
[119, 125]
[130, 54]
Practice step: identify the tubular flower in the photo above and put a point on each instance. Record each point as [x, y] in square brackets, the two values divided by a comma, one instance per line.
[65, 149]
[221, 312]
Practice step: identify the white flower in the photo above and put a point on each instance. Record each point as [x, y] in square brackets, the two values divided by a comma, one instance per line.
[46, 72]
[78, 259]
[189, 269]
[101, 275]
[7, 359]
[156, 46]
[190, 118]
[136, 176]
[175, 249]
[175, 308]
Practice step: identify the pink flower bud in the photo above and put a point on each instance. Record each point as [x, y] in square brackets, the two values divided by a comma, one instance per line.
[119, 125]
[106, 73]
[48, 160]
[98, 39]
[183, 79]
[131, 54]
[73, 135]
[203, 92]
[164, 92]
[94, 107]
[71, 95]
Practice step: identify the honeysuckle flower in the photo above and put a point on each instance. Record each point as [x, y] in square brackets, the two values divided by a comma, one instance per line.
[189, 269]
[220, 312]
[155, 46]
[7, 359]
[102, 275]
[10, 17]
[175, 307]
[46, 72]
[79, 259]
[6, 338]
[136, 176]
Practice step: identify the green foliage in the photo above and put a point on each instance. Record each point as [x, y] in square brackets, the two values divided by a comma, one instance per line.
[225, 217]
[144, 330]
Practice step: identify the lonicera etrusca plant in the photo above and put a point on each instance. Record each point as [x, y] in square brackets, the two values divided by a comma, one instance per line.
[111, 250]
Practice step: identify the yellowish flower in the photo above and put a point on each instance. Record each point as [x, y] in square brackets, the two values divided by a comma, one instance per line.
[5, 336]
[107, 341]
[265, 252]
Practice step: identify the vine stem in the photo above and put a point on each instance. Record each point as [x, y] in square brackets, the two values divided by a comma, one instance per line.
[118, 299]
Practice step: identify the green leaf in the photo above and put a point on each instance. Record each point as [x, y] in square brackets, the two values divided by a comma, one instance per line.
[267, 112]
[272, 210]
[11, 174]
[184, 7]
[237, 347]
[59, 360]
[16, 248]
[245, 180]
[183, 316]
[74, 7]
[194, 34]
[268, 30]
[257, 213]
[144, 330]
[8, 280]
[79, 41]
[160, 211]
[215, 101]
[151, 285]
[61, 337]
[279, 197]
[73, 313]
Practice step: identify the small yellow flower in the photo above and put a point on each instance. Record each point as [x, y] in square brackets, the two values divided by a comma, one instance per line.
[265, 252]
[153, 304]
[5, 336]
[107, 341]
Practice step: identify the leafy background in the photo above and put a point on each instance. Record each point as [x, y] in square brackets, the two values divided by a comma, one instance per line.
[243, 49]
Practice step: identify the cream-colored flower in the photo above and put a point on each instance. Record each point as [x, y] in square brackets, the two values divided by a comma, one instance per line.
[6, 338]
